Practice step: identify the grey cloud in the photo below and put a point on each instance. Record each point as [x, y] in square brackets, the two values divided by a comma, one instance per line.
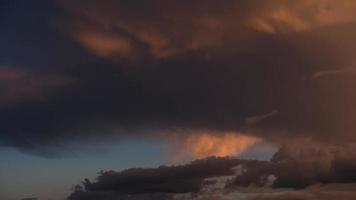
[316, 172]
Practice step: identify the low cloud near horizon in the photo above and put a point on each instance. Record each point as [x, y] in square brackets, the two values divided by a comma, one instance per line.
[311, 173]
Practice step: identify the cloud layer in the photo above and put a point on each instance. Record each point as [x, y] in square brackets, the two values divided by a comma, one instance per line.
[318, 172]
[277, 70]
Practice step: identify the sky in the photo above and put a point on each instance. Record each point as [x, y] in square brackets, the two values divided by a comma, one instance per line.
[160, 94]
[25, 175]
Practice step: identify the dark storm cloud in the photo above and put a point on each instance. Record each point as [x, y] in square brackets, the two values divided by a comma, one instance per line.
[160, 65]
[164, 179]
[20, 85]
[173, 179]
[309, 169]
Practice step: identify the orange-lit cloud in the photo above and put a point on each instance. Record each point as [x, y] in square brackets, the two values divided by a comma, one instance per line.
[176, 28]
[200, 145]
[105, 45]
[303, 15]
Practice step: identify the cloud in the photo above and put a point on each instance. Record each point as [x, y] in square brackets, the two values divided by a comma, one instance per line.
[256, 119]
[159, 68]
[171, 180]
[20, 86]
[299, 167]
[314, 193]
[201, 27]
[151, 68]
[287, 16]
[198, 26]
[231, 64]
[334, 72]
[106, 45]
[316, 171]
[203, 144]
